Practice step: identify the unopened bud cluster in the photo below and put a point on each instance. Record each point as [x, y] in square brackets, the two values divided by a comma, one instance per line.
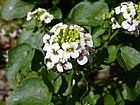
[66, 43]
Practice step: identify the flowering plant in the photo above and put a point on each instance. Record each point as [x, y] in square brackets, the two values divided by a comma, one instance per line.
[83, 56]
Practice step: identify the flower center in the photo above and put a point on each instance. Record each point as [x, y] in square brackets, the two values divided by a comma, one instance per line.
[70, 49]
[54, 52]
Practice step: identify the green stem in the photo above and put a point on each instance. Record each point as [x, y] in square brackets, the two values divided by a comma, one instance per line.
[105, 45]
[110, 38]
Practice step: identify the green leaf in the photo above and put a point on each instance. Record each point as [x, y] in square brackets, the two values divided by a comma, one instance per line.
[56, 12]
[32, 38]
[37, 60]
[112, 51]
[87, 13]
[29, 24]
[31, 92]
[68, 78]
[96, 42]
[109, 100]
[57, 83]
[91, 98]
[46, 78]
[97, 32]
[135, 72]
[130, 93]
[20, 58]
[15, 9]
[128, 57]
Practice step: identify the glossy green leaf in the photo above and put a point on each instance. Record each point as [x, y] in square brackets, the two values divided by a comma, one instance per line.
[131, 93]
[15, 9]
[57, 83]
[91, 98]
[31, 92]
[96, 42]
[112, 51]
[32, 38]
[128, 57]
[20, 58]
[29, 24]
[97, 32]
[46, 78]
[109, 100]
[87, 13]
[56, 12]
[68, 78]
[37, 60]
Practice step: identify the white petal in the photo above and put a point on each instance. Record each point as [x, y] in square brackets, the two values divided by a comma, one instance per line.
[50, 65]
[47, 20]
[54, 58]
[46, 37]
[125, 24]
[29, 16]
[64, 26]
[88, 35]
[135, 22]
[65, 45]
[132, 28]
[57, 31]
[66, 55]
[124, 8]
[74, 44]
[74, 54]
[56, 46]
[48, 55]
[51, 16]
[60, 53]
[117, 10]
[67, 66]
[45, 48]
[82, 60]
[59, 68]
[53, 29]
[126, 15]
[90, 43]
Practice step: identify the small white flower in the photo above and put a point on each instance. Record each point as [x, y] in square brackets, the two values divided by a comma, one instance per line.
[53, 39]
[78, 28]
[70, 50]
[63, 64]
[83, 57]
[128, 11]
[46, 38]
[46, 17]
[53, 53]
[130, 24]
[118, 10]
[50, 65]
[86, 39]
[115, 23]
[29, 17]
[56, 29]
[40, 9]
[46, 46]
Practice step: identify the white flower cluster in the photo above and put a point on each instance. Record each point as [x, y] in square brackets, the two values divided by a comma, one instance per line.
[129, 11]
[40, 15]
[64, 44]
